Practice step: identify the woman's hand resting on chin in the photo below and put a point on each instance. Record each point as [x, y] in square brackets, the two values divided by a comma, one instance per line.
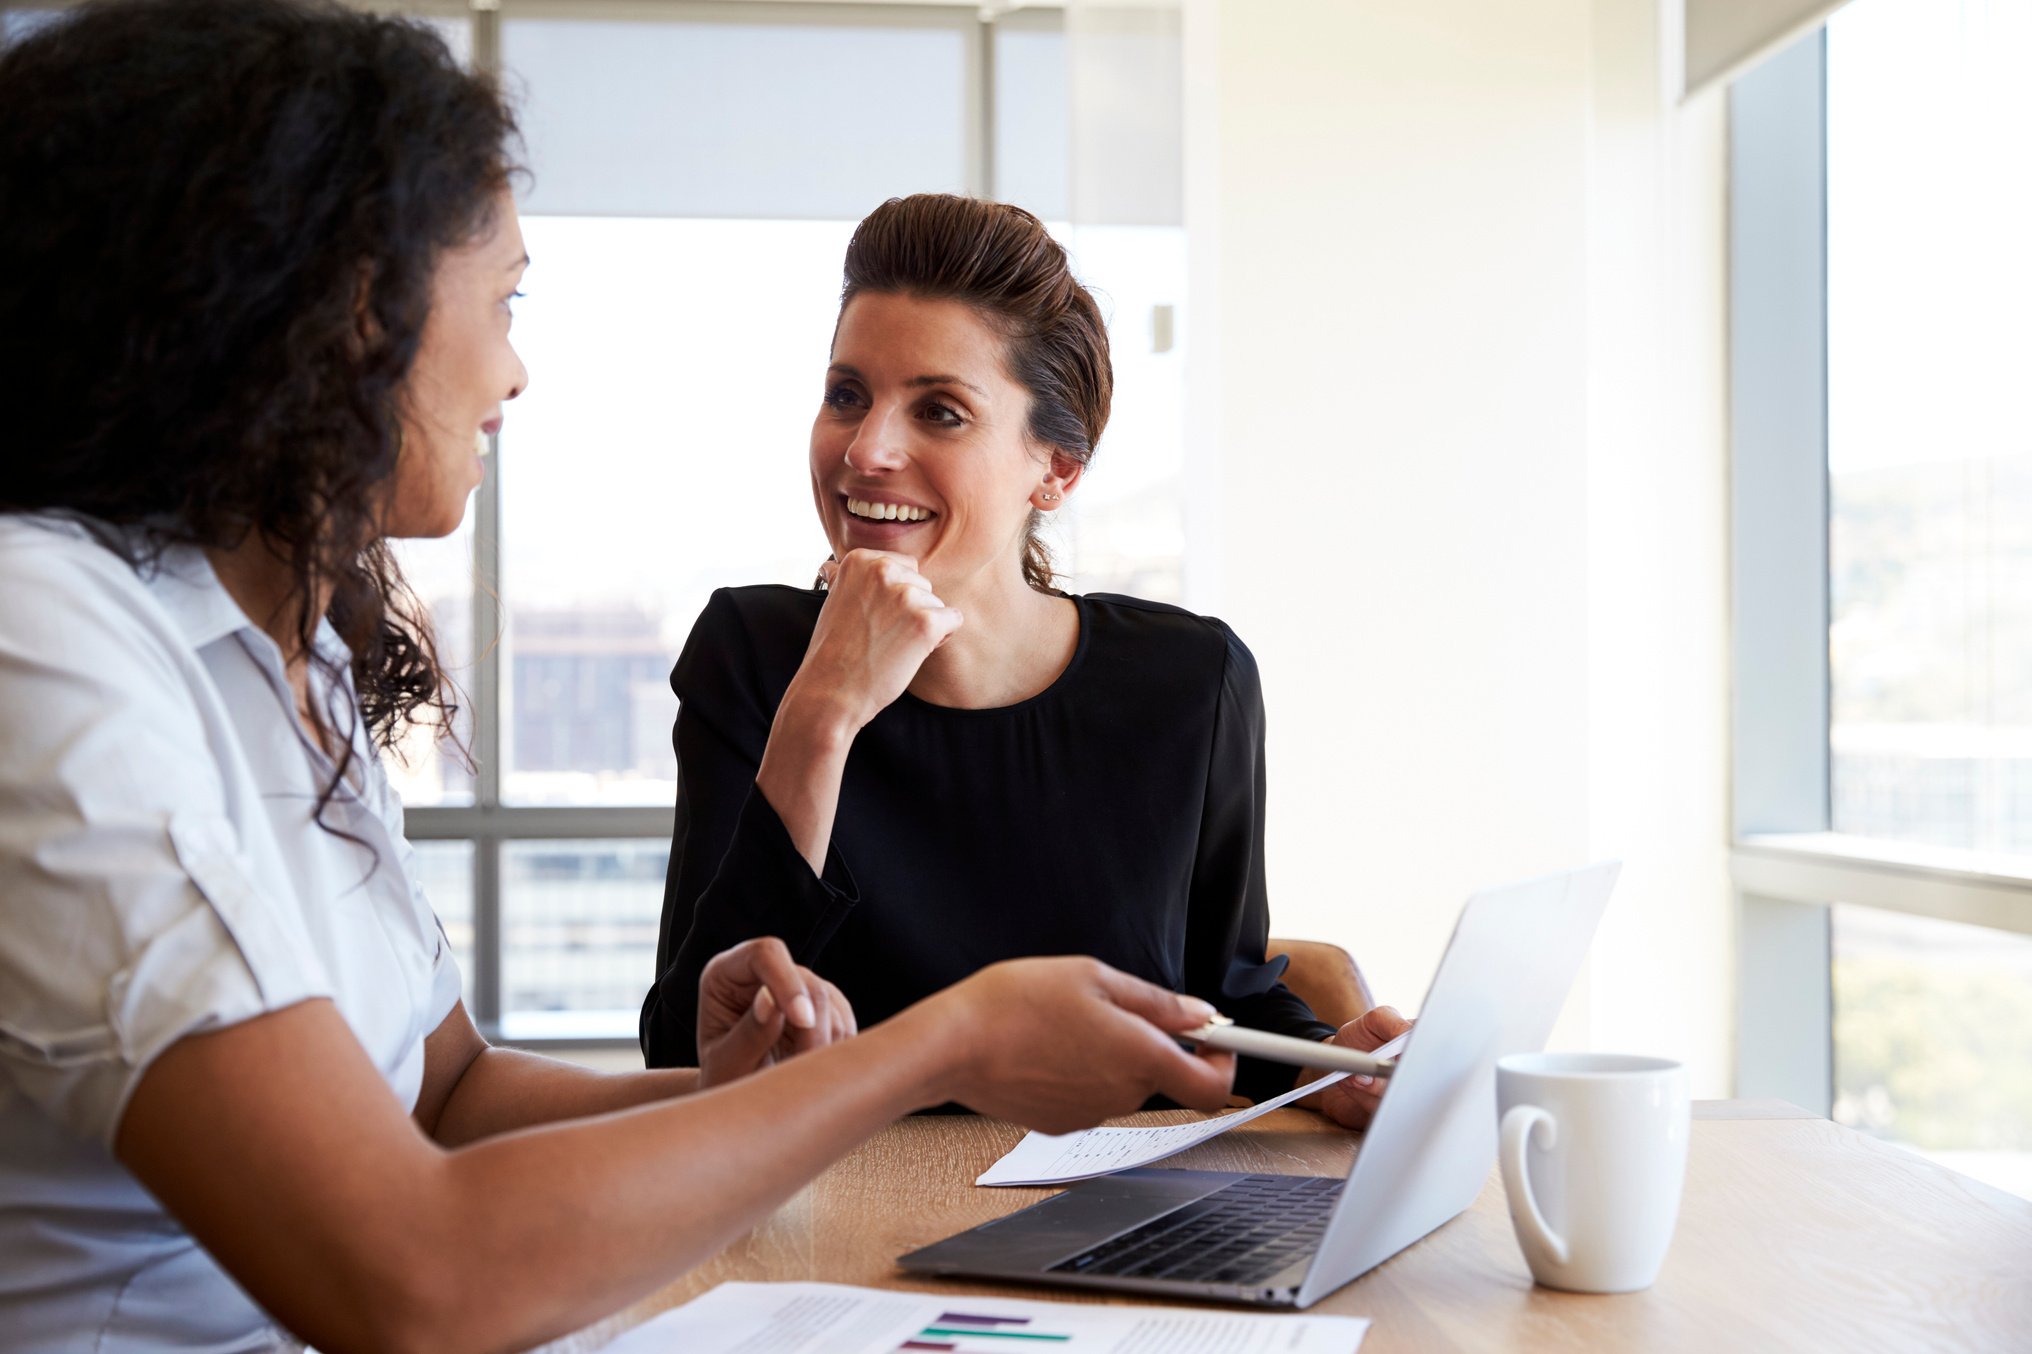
[880, 621]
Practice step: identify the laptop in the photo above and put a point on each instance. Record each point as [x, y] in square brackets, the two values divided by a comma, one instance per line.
[1288, 1241]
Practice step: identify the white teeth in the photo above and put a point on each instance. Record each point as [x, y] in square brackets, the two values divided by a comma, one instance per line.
[886, 512]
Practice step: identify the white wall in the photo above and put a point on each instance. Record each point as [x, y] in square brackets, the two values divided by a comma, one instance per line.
[1662, 975]
[1459, 491]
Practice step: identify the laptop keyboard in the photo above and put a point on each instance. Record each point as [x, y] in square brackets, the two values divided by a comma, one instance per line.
[1242, 1233]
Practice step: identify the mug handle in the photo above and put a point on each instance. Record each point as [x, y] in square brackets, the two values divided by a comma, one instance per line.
[1516, 1135]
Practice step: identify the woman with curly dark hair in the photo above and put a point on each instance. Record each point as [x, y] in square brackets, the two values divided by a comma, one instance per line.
[257, 259]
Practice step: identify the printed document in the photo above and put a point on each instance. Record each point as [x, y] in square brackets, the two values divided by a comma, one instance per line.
[822, 1318]
[1061, 1158]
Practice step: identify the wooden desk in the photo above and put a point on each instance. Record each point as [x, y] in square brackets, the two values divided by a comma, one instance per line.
[1795, 1233]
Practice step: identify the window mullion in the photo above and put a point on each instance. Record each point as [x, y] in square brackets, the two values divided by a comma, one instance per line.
[487, 619]
[1779, 483]
[981, 111]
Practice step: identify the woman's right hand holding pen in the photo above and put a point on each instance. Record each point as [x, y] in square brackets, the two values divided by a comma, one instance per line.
[1057, 1044]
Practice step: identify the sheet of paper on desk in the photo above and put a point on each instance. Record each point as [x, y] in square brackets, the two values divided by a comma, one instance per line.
[1061, 1158]
[823, 1318]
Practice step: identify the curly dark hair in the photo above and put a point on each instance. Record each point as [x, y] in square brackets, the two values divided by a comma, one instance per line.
[219, 224]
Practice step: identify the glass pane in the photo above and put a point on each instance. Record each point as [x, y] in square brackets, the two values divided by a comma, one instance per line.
[427, 769]
[1933, 1040]
[1125, 67]
[445, 869]
[578, 923]
[1124, 529]
[1032, 126]
[802, 120]
[1929, 449]
[675, 367]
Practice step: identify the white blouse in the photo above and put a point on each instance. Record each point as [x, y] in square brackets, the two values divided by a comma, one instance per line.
[160, 874]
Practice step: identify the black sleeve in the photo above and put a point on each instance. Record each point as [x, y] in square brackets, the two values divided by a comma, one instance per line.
[1228, 918]
[734, 872]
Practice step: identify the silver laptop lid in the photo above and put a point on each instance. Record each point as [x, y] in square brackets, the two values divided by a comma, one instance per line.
[1515, 953]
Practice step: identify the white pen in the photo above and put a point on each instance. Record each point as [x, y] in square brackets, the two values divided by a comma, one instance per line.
[1223, 1033]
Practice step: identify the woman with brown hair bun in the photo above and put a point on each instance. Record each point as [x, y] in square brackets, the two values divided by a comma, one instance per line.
[938, 760]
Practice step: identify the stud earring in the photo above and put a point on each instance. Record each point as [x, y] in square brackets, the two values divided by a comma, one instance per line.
[1051, 498]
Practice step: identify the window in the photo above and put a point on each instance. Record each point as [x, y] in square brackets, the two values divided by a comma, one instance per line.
[696, 173]
[1883, 561]
[579, 922]
[1933, 1040]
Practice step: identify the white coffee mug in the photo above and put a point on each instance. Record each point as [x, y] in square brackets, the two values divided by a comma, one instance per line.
[1593, 1151]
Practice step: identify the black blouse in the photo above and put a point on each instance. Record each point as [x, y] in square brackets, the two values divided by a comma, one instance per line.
[1118, 813]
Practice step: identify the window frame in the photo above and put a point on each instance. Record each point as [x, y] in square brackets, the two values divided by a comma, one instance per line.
[1787, 865]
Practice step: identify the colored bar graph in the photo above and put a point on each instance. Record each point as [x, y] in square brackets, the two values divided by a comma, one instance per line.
[976, 1332]
[968, 1319]
[993, 1334]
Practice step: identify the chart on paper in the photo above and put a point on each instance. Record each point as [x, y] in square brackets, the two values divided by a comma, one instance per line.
[1122, 1331]
[1061, 1158]
[815, 1318]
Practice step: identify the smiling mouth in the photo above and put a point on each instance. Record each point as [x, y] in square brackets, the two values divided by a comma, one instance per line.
[886, 512]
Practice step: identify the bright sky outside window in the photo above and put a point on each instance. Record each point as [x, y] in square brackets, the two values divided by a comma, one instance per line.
[1930, 444]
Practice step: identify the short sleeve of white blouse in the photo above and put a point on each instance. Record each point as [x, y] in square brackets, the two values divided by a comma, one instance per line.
[165, 873]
